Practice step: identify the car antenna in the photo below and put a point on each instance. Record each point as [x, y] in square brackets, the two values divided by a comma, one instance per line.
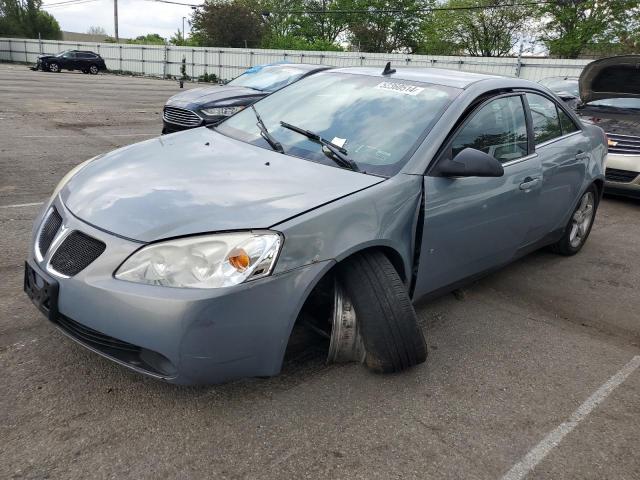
[388, 70]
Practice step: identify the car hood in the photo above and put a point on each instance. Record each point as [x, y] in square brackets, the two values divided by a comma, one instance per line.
[613, 77]
[46, 56]
[206, 95]
[200, 181]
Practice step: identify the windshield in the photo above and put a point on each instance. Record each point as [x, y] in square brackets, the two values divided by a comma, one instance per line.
[268, 79]
[617, 103]
[376, 120]
[63, 53]
[561, 85]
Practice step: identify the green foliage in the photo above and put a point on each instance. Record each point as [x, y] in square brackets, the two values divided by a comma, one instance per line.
[208, 78]
[387, 32]
[478, 32]
[227, 24]
[575, 25]
[292, 42]
[190, 41]
[183, 69]
[24, 18]
[149, 39]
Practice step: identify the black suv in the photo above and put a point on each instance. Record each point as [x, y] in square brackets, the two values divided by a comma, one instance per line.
[83, 60]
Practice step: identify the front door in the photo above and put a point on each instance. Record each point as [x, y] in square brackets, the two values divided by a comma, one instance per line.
[473, 224]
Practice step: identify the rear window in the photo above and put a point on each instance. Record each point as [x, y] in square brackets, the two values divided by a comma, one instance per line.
[544, 115]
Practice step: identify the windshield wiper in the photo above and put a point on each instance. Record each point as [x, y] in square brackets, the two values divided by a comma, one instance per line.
[276, 145]
[337, 153]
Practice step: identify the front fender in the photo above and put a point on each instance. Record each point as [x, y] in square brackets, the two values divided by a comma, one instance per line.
[384, 215]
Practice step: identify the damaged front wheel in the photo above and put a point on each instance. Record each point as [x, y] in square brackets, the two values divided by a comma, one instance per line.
[379, 311]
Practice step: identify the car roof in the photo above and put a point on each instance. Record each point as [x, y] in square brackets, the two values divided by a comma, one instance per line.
[439, 76]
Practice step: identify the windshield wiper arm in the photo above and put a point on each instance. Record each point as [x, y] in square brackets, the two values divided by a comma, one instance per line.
[276, 145]
[338, 153]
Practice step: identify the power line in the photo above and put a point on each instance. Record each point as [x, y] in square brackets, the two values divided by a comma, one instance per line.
[67, 3]
[382, 10]
[408, 10]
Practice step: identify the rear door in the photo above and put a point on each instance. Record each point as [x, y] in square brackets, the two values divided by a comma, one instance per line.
[563, 149]
[473, 224]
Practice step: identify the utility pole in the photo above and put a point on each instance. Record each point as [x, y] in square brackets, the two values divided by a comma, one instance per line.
[183, 18]
[115, 19]
[324, 6]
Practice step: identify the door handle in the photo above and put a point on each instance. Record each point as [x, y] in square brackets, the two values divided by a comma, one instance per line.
[529, 183]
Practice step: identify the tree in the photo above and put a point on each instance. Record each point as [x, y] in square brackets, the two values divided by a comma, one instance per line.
[24, 18]
[485, 32]
[378, 30]
[149, 39]
[190, 41]
[223, 23]
[572, 25]
[96, 30]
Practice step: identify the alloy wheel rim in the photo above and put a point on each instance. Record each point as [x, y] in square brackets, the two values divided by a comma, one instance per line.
[54, 67]
[345, 343]
[581, 220]
[94, 69]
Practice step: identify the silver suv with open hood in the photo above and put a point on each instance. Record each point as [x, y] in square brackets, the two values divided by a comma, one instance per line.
[610, 94]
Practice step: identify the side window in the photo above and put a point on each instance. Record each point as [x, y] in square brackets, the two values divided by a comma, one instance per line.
[499, 129]
[546, 124]
[566, 123]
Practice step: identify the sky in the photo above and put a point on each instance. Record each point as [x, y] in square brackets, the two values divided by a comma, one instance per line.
[135, 17]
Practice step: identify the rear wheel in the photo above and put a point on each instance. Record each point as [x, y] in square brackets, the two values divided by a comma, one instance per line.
[93, 70]
[379, 308]
[577, 230]
[54, 67]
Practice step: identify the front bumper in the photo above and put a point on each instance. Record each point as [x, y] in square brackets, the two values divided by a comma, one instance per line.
[622, 176]
[186, 336]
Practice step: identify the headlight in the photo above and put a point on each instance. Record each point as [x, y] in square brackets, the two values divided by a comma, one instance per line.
[206, 261]
[221, 111]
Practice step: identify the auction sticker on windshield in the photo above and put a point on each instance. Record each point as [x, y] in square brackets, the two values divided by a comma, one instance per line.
[403, 88]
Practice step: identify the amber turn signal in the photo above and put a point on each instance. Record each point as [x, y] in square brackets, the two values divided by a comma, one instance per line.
[239, 259]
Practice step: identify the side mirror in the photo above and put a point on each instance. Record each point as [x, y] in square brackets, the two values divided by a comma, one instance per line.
[471, 163]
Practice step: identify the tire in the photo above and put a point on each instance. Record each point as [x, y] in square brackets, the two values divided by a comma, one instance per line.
[392, 339]
[579, 226]
[93, 70]
[54, 67]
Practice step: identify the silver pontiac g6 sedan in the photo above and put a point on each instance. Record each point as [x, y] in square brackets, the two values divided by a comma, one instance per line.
[334, 203]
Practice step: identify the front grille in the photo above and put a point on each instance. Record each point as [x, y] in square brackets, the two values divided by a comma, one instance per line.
[93, 337]
[625, 144]
[48, 231]
[75, 253]
[181, 116]
[622, 176]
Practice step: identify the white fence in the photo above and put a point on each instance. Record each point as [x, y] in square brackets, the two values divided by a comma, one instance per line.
[227, 63]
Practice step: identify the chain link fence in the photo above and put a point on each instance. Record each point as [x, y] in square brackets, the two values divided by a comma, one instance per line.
[226, 63]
